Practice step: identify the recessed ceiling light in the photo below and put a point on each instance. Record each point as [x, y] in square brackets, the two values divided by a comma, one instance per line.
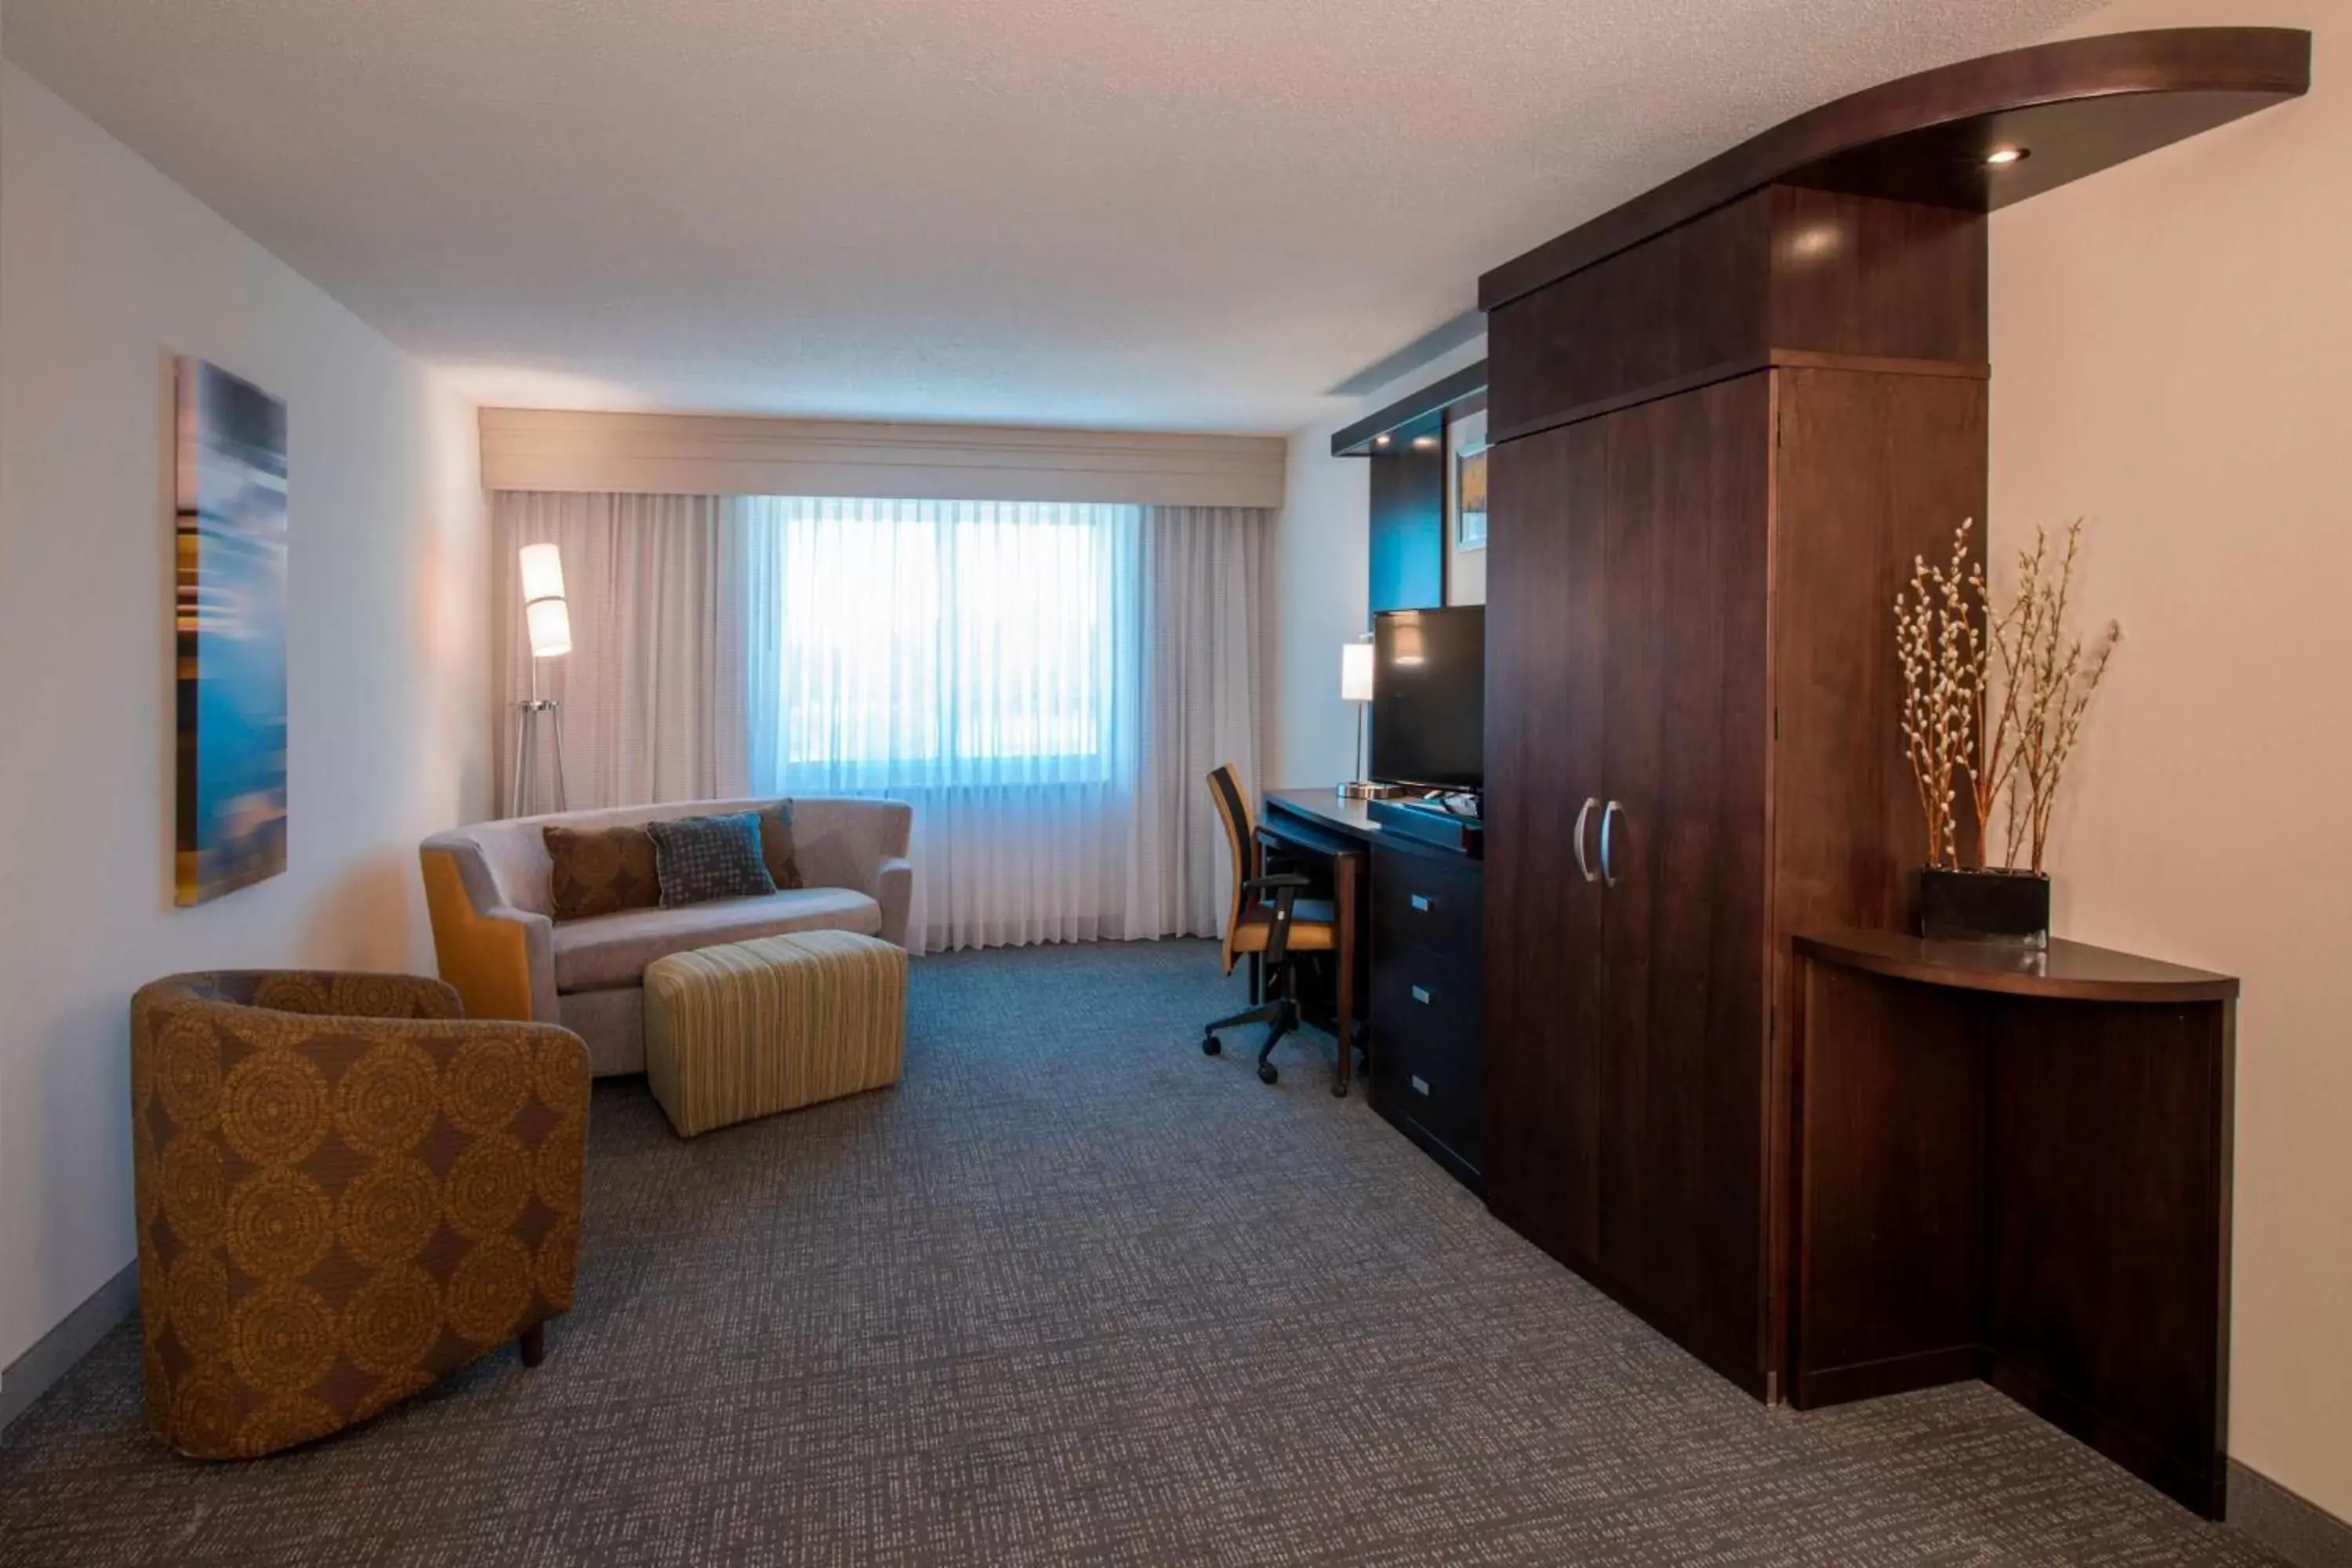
[1380, 440]
[2002, 157]
[1424, 441]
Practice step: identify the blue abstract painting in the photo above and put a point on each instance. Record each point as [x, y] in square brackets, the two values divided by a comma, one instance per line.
[230, 616]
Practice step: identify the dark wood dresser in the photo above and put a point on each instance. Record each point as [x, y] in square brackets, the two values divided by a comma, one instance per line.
[1426, 973]
[1429, 1001]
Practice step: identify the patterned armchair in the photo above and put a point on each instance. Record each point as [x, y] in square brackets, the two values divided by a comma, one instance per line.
[346, 1190]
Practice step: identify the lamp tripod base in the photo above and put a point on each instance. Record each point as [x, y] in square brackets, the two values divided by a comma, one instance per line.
[529, 714]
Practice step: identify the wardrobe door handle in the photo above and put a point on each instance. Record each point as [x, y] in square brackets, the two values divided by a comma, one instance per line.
[1607, 815]
[1583, 816]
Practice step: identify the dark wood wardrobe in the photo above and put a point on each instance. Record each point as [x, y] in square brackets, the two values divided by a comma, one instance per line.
[1727, 417]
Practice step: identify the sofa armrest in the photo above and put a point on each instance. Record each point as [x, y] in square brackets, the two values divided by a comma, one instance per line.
[501, 959]
[894, 889]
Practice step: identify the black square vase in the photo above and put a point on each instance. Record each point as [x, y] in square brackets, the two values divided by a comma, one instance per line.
[1984, 906]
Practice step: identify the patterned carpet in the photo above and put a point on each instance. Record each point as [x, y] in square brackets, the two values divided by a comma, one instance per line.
[1077, 1293]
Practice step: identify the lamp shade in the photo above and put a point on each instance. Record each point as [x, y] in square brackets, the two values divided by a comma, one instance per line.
[543, 609]
[542, 572]
[550, 621]
[1356, 672]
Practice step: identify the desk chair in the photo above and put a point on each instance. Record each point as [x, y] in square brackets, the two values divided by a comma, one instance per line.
[1270, 922]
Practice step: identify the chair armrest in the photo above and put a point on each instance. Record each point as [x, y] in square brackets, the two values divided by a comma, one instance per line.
[894, 889]
[551, 1061]
[501, 959]
[1286, 888]
[506, 1083]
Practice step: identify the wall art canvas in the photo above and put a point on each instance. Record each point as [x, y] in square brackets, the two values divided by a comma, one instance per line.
[1469, 498]
[230, 618]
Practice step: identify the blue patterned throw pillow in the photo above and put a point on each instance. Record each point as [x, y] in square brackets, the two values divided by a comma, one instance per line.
[699, 858]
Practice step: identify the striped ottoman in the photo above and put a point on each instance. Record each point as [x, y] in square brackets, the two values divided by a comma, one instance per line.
[751, 1028]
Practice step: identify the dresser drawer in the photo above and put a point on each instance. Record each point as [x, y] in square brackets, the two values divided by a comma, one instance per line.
[1425, 903]
[1427, 1028]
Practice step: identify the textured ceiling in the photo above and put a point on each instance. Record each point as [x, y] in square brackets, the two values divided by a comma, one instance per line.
[1199, 214]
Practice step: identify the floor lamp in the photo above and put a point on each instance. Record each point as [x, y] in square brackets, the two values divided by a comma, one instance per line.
[549, 620]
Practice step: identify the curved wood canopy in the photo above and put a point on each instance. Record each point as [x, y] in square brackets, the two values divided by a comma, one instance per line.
[2075, 107]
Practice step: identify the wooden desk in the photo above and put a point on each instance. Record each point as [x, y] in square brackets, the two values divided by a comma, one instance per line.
[2016, 1166]
[1317, 828]
[1423, 979]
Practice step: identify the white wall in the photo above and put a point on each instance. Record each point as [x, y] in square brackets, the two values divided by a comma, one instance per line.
[2171, 341]
[106, 270]
[1322, 577]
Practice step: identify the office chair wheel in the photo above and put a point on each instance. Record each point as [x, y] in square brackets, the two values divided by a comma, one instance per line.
[1266, 1073]
[1211, 1046]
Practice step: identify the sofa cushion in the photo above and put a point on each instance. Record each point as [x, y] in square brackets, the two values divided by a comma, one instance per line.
[614, 950]
[776, 846]
[705, 858]
[600, 870]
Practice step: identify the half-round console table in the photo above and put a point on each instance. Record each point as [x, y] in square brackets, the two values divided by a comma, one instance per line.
[2015, 1165]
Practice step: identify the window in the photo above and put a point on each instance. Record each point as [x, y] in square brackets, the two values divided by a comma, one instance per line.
[904, 643]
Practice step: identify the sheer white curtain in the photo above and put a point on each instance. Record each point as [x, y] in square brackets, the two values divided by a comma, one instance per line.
[1047, 683]
[652, 687]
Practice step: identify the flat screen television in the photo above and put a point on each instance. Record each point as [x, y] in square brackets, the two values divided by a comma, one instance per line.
[1429, 697]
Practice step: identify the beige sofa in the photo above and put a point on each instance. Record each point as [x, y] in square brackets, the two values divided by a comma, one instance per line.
[487, 888]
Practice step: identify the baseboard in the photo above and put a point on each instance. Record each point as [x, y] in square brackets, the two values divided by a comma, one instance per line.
[1824, 1386]
[2299, 1529]
[32, 1375]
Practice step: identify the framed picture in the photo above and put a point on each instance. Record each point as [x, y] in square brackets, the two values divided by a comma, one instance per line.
[229, 618]
[1468, 439]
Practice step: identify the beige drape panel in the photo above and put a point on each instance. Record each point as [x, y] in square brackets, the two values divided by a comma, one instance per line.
[653, 688]
[1203, 590]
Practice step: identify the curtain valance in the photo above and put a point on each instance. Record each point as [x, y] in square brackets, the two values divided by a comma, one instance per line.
[695, 454]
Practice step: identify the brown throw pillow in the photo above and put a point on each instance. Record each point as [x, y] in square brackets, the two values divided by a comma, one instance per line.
[776, 845]
[600, 871]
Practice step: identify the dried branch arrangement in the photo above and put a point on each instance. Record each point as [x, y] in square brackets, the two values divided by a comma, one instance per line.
[2048, 678]
[1942, 655]
[1947, 636]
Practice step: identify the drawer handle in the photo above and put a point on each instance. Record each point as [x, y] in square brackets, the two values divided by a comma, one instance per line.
[1420, 902]
[1419, 1085]
[1420, 995]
